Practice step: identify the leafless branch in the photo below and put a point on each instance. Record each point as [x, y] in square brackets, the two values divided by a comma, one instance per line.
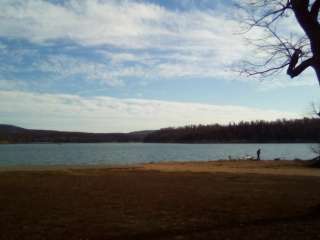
[277, 51]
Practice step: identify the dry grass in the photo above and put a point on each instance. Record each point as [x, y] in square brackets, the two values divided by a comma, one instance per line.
[290, 168]
[146, 203]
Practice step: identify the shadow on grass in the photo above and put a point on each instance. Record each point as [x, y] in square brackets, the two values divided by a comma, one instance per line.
[312, 214]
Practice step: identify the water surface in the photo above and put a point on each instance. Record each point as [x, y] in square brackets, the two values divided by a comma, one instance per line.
[131, 153]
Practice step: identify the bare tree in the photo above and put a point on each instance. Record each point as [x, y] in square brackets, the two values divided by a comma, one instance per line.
[315, 110]
[316, 149]
[280, 48]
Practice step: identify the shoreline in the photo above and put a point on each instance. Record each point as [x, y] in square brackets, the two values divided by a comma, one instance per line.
[265, 167]
[187, 143]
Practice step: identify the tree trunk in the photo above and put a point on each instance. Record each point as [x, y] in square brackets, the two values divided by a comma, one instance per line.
[316, 68]
[315, 48]
[311, 27]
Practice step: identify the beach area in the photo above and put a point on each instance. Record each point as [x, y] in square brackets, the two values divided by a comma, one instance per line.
[171, 200]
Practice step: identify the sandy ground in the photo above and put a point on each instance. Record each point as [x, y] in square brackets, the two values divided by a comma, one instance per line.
[290, 168]
[207, 200]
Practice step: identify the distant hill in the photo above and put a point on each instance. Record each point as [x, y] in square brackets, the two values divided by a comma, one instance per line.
[10, 129]
[14, 134]
[281, 131]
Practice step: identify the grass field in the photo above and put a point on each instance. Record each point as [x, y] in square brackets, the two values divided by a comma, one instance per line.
[208, 200]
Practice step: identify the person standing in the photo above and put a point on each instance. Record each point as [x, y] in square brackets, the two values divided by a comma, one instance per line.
[258, 154]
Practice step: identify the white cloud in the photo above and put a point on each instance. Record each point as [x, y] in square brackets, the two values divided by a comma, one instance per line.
[67, 67]
[119, 23]
[11, 84]
[157, 42]
[106, 114]
[202, 41]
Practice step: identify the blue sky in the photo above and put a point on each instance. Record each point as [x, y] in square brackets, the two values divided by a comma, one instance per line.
[118, 66]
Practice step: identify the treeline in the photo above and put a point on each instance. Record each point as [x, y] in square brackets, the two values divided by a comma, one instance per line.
[13, 134]
[281, 131]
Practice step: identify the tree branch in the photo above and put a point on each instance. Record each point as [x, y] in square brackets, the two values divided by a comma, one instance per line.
[267, 72]
[271, 15]
[315, 110]
[294, 70]
[315, 10]
[282, 51]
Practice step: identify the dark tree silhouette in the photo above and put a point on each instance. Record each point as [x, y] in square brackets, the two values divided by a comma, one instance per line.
[279, 47]
[281, 131]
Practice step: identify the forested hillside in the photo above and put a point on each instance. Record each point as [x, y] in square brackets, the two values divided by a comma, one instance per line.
[286, 131]
[301, 130]
[13, 134]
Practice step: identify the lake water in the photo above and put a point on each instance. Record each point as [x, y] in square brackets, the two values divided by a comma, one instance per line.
[131, 153]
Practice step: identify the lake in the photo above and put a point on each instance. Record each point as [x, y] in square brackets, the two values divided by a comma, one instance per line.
[131, 153]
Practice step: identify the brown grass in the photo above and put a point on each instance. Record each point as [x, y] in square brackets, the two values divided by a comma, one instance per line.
[222, 200]
[290, 168]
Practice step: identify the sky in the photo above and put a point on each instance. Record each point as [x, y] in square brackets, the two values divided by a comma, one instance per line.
[129, 65]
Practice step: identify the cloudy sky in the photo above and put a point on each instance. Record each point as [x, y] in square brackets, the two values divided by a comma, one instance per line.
[126, 65]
